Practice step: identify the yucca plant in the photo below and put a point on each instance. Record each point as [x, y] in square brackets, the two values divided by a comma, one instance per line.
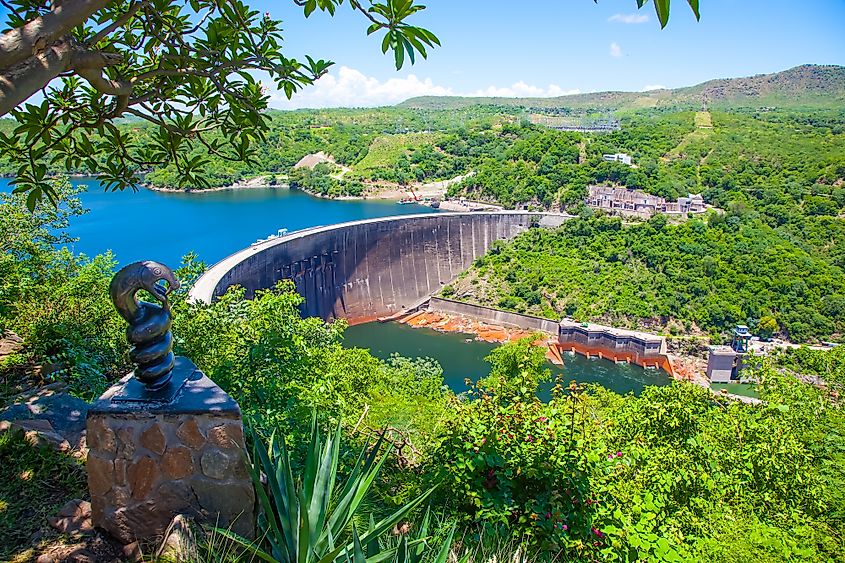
[302, 520]
[408, 550]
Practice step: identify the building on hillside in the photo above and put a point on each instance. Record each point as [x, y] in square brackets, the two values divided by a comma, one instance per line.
[725, 362]
[693, 203]
[618, 157]
[636, 203]
[575, 123]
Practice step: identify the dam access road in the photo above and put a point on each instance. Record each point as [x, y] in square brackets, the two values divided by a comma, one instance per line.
[369, 269]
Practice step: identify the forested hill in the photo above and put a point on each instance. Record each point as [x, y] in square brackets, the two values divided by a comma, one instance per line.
[806, 85]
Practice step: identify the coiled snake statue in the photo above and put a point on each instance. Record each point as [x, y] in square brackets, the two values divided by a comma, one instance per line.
[149, 323]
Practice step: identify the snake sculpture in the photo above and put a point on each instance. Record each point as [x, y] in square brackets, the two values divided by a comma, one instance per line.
[149, 323]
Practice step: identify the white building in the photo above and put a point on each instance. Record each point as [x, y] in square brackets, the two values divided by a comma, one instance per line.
[618, 157]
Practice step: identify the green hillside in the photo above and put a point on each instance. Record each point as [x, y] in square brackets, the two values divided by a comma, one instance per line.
[806, 85]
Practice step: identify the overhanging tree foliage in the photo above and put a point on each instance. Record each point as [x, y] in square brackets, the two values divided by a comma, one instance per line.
[187, 66]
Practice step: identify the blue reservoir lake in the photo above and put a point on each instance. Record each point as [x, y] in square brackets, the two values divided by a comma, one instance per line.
[164, 226]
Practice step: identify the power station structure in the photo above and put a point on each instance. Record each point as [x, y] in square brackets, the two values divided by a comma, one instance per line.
[725, 362]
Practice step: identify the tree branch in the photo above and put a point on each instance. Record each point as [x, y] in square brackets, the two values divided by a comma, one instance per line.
[24, 79]
[105, 85]
[103, 33]
[17, 45]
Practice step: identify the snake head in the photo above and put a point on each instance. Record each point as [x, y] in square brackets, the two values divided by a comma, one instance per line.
[158, 280]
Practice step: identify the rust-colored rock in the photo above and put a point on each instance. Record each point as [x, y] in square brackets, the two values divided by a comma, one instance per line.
[120, 496]
[153, 439]
[126, 449]
[177, 462]
[100, 437]
[226, 436]
[190, 435]
[73, 519]
[142, 475]
[125, 524]
[100, 475]
[42, 439]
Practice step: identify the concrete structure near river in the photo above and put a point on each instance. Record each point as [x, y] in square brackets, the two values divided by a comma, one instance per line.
[619, 345]
[385, 268]
[369, 269]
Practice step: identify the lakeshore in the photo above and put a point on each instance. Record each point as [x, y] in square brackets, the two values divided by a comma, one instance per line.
[259, 182]
[429, 194]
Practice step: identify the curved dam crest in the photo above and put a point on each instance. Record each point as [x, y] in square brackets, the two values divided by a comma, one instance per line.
[368, 269]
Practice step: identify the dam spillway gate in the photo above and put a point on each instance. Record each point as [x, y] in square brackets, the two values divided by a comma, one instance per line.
[365, 270]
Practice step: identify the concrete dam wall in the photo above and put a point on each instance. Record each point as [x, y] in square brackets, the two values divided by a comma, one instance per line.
[363, 270]
[493, 316]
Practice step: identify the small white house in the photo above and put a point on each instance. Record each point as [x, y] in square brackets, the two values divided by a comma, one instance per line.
[618, 157]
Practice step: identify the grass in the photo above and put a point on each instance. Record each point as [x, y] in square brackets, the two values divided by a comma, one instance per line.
[386, 149]
[703, 122]
[34, 484]
[703, 119]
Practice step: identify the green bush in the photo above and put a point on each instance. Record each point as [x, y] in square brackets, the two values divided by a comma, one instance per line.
[305, 519]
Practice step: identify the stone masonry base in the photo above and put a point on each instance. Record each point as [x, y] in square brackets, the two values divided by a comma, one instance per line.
[150, 462]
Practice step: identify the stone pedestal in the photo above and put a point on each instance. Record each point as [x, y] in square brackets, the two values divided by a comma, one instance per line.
[149, 461]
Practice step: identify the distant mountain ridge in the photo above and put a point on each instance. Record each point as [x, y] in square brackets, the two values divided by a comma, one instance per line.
[805, 85]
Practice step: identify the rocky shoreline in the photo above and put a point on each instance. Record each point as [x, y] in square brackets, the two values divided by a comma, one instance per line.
[253, 183]
[481, 330]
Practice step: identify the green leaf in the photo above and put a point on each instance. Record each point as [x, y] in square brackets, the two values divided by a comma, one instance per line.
[357, 551]
[443, 554]
[32, 198]
[694, 5]
[662, 9]
[399, 54]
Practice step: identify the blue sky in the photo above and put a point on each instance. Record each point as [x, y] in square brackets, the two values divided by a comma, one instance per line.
[551, 47]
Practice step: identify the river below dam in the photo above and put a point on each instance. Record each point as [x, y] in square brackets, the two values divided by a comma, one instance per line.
[164, 226]
[462, 357]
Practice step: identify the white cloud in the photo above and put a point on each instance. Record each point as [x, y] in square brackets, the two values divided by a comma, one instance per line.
[648, 87]
[615, 50]
[521, 89]
[347, 87]
[628, 18]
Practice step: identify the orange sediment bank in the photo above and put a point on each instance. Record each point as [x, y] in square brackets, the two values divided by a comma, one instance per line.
[480, 329]
[361, 320]
[689, 368]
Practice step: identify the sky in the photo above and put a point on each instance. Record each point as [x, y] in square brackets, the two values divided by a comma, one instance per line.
[556, 47]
